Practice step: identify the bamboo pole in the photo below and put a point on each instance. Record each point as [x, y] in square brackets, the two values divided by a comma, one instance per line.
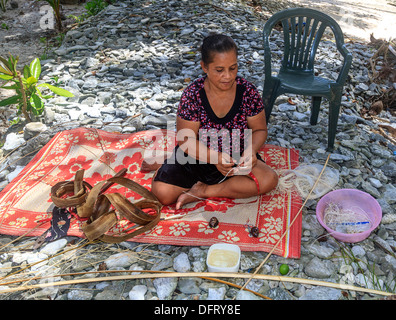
[122, 271]
[287, 230]
[160, 274]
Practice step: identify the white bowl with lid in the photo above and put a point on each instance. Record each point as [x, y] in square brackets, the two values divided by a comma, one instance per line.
[223, 257]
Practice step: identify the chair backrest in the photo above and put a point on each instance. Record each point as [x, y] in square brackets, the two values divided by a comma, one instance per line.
[302, 31]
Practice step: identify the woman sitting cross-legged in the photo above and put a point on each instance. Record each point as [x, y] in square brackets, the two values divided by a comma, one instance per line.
[220, 128]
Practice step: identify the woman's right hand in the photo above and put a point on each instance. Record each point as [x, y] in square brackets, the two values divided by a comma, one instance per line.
[225, 164]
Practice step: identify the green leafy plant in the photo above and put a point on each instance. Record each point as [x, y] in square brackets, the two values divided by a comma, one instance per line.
[28, 97]
[4, 26]
[15, 121]
[3, 4]
[369, 274]
[95, 6]
[55, 4]
[59, 39]
[78, 19]
[47, 48]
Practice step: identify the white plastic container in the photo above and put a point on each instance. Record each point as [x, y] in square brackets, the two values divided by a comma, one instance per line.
[223, 257]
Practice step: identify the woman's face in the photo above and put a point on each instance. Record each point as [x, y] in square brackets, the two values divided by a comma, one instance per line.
[223, 69]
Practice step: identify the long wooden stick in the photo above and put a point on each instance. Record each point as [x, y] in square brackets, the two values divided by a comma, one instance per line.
[124, 271]
[287, 230]
[161, 274]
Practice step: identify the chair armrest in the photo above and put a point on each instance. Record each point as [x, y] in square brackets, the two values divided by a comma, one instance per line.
[267, 58]
[346, 65]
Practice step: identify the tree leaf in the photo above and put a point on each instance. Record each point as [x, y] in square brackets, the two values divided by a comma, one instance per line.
[56, 90]
[5, 77]
[37, 104]
[13, 62]
[31, 80]
[13, 87]
[35, 68]
[10, 101]
[4, 67]
[26, 72]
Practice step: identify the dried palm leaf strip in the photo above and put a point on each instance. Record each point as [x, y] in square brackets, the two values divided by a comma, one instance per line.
[94, 205]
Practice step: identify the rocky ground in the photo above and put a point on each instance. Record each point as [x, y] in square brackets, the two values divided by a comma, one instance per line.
[127, 67]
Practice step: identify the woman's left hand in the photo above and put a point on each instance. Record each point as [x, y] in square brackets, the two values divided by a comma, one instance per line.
[246, 164]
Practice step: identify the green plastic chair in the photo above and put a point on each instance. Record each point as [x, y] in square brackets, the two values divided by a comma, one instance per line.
[302, 31]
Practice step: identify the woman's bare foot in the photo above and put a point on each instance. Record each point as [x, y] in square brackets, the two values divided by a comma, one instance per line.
[197, 192]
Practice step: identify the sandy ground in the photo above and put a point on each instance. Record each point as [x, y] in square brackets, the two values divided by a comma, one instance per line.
[359, 18]
[23, 29]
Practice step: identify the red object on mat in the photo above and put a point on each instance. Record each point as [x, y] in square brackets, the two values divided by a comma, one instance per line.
[26, 200]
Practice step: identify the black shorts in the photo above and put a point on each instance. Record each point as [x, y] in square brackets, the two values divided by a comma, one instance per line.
[189, 171]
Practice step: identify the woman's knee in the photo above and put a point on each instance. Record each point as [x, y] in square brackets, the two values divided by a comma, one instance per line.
[269, 181]
[273, 179]
[159, 190]
[165, 193]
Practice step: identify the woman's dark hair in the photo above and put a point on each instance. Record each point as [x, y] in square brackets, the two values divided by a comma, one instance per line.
[216, 43]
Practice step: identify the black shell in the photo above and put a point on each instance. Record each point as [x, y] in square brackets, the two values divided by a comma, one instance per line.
[255, 232]
[213, 222]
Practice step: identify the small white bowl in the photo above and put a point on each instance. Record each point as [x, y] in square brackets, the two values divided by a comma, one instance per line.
[223, 257]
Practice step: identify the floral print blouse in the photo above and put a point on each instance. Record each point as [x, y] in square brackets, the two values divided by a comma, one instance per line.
[227, 134]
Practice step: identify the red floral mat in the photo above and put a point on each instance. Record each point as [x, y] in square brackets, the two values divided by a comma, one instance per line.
[26, 200]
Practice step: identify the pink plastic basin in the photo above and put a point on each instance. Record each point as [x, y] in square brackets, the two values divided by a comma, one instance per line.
[349, 199]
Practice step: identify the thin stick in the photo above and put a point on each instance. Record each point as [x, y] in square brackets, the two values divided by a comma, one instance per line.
[19, 159]
[382, 131]
[287, 230]
[182, 215]
[48, 258]
[16, 148]
[162, 274]
[23, 235]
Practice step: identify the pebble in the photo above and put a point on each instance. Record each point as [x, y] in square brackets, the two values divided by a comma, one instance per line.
[53, 247]
[165, 287]
[182, 263]
[246, 295]
[13, 141]
[79, 295]
[216, 293]
[139, 67]
[321, 251]
[32, 129]
[120, 260]
[137, 292]
[318, 268]
[358, 251]
[322, 293]
[14, 173]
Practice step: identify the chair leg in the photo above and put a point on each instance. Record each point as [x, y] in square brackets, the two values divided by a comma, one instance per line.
[334, 110]
[269, 96]
[315, 107]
